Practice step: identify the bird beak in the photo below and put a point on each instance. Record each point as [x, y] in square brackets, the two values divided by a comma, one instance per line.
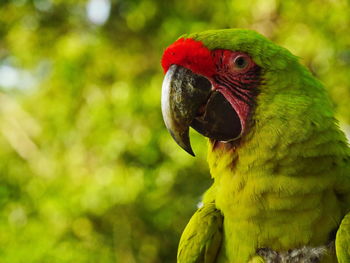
[183, 92]
[188, 100]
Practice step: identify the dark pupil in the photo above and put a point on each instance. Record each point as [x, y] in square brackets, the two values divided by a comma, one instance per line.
[240, 62]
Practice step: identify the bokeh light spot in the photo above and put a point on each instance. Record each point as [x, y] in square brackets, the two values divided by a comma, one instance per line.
[98, 11]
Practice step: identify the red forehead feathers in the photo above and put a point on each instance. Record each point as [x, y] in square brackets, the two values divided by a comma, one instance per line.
[190, 54]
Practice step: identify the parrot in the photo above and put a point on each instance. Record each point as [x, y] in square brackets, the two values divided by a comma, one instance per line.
[279, 162]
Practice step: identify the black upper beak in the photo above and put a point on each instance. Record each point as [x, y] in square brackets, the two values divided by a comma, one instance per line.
[188, 100]
[182, 95]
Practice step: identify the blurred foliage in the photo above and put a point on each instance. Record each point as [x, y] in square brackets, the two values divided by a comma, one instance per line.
[88, 171]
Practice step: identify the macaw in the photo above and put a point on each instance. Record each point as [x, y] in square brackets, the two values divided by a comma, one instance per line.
[280, 163]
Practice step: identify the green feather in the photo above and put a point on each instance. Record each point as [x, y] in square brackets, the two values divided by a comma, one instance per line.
[287, 185]
[201, 239]
[343, 241]
[264, 52]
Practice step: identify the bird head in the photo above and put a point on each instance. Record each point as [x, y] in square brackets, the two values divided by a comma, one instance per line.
[212, 81]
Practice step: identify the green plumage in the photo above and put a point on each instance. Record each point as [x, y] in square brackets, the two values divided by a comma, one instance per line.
[204, 245]
[287, 185]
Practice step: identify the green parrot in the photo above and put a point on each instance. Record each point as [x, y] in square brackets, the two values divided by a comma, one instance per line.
[279, 162]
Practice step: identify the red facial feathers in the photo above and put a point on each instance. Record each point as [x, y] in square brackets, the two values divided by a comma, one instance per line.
[190, 54]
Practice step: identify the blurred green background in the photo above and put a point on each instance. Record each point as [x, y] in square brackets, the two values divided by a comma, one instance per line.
[88, 171]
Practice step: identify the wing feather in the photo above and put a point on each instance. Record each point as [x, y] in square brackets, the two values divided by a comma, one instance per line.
[342, 241]
[201, 240]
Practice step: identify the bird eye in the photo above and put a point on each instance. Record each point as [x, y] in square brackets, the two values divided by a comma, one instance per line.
[241, 62]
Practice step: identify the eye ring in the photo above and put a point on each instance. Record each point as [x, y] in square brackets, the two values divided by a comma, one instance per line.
[241, 62]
